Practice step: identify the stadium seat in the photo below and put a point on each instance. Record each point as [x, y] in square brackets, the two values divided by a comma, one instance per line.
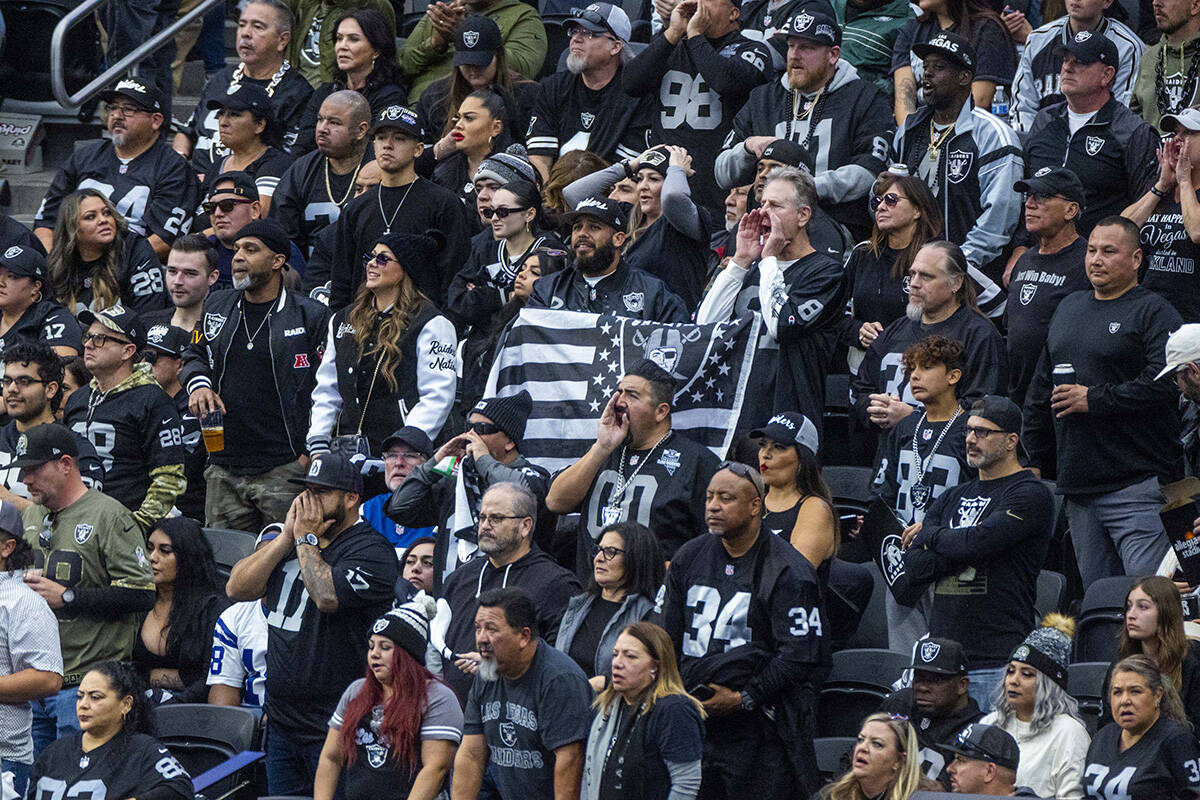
[1051, 593]
[834, 755]
[858, 682]
[1100, 619]
[556, 42]
[229, 547]
[1085, 682]
[872, 628]
[836, 446]
[204, 737]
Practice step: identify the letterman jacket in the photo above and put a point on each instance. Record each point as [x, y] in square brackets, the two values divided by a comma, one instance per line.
[626, 292]
[426, 378]
[976, 172]
[297, 339]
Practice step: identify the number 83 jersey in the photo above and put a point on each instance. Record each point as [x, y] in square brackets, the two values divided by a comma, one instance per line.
[713, 602]
[128, 765]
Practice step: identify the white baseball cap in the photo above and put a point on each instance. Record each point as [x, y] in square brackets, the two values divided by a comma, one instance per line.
[1183, 346]
[1188, 118]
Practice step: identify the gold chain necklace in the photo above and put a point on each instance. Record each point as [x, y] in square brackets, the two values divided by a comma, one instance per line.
[935, 141]
[349, 190]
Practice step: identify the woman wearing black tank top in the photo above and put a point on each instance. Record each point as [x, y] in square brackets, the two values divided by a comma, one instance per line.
[799, 505]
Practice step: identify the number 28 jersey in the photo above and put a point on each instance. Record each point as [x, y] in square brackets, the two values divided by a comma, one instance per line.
[128, 765]
[1164, 764]
[768, 597]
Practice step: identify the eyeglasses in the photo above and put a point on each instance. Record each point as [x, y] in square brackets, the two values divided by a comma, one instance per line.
[483, 428]
[500, 211]
[152, 356]
[495, 519]
[127, 110]
[1041, 197]
[982, 433]
[22, 381]
[609, 553]
[583, 33]
[380, 260]
[890, 200]
[101, 339]
[396, 455]
[46, 532]
[225, 206]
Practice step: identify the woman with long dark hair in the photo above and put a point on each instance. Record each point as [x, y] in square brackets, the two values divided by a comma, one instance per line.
[647, 733]
[391, 357]
[365, 52]
[1154, 627]
[479, 129]
[906, 217]
[799, 506]
[97, 262]
[395, 731]
[114, 754]
[173, 648]
[975, 21]
[249, 130]
[627, 572]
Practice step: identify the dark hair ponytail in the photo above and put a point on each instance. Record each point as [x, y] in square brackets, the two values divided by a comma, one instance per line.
[124, 680]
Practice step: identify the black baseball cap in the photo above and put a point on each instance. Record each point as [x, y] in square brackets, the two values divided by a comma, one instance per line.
[144, 94]
[243, 185]
[986, 743]
[794, 154]
[602, 208]
[245, 97]
[402, 118]
[11, 524]
[939, 656]
[789, 428]
[814, 26]
[333, 471]
[951, 46]
[415, 438]
[998, 410]
[477, 41]
[24, 262]
[1053, 181]
[46, 442]
[1089, 48]
[166, 338]
[117, 319]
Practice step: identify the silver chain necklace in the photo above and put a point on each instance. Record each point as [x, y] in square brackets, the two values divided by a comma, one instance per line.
[919, 492]
[387, 223]
[250, 339]
[221, 150]
[611, 512]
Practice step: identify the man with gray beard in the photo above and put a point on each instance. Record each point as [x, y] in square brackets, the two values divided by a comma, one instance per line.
[527, 716]
[940, 300]
[585, 107]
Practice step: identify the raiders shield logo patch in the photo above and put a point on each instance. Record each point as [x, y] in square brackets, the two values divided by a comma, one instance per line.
[1113, 327]
[508, 734]
[891, 558]
[1027, 293]
[376, 755]
[929, 651]
[1093, 144]
[83, 532]
[970, 510]
[212, 325]
[1021, 653]
[634, 301]
[958, 165]
[470, 38]
[13, 251]
[586, 118]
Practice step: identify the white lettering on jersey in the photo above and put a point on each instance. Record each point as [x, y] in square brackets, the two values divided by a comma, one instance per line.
[294, 595]
[103, 437]
[635, 504]
[712, 621]
[1115, 789]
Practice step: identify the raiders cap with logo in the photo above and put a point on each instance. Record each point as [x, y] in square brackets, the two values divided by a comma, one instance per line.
[245, 97]
[332, 471]
[950, 46]
[477, 41]
[793, 154]
[602, 208]
[401, 118]
[117, 319]
[165, 338]
[1089, 48]
[601, 18]
[42, 443]
[1053, 181]
[813, 26]
[982, 742]
[939, 656]
[657, 159]
[24, 262]
[790, 428]
[143, 94]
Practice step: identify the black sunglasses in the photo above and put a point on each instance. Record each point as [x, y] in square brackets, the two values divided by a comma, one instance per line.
[226, 206]
[891, 199]
[483, 428]
[744, 471]
[500, 211]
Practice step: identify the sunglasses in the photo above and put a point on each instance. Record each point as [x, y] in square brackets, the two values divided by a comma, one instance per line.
[226, 206]
[46, 532]
[744, 471]
[483, 428]
[500, 212]
[890, 199]
[380, 260]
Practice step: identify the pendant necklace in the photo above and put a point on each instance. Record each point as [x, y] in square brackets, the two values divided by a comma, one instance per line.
[250, 339]
[919, 492]
[387, 223]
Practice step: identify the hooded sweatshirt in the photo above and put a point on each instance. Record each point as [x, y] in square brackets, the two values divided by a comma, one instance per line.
[1176, 62]
[452, 631]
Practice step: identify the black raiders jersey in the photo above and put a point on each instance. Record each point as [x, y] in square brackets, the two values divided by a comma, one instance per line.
[302, 202]
[289, 97]
[46, 321]
[90, 466]
[133, 430]
[1164, 764]
[941, 468]
[569, 116]
[128, 765]
[141, 278]
[155, 192]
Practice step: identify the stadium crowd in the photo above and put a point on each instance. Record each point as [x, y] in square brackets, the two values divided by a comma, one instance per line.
[456, 330]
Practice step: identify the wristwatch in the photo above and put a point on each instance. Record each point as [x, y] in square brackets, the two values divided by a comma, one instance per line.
[747, 701]
[309, 539]
[68, 596]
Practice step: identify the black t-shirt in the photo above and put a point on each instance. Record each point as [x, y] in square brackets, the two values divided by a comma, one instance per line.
[996, 56]
[1171, 257]
[567, 116]
[932, 732]
[133, 431]
[1039, 283]
[256, 437]
[128, 765]
[591, 629]
[877, 296]
[1164, 764]
[666, 494]
[678, 260]
[328, 649]
[303, 201]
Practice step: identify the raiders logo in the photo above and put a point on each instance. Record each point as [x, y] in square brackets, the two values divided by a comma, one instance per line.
[929, 651]
[345, 329]
[508, 734]
[376, 755]
[22, 445]
[634, 301]
[470, 38]
[83, 532]
[1021, 653]
[1113, 327]
[1027, 293]
[958, 165]
[212, 325]
[586, 118]
[970, 510]
[13, 252]
[156, 334]
[1083, 36]
[891, 558]
[1093, 143]
[1041, 172]
[379, 625]
[391, 112]
[802, 22]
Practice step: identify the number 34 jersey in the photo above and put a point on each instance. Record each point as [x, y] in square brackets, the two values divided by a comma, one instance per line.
[1164, 764]
[767, 597]
[128, 765]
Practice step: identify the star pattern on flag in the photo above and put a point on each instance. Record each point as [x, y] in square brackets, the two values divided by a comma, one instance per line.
[712, 380]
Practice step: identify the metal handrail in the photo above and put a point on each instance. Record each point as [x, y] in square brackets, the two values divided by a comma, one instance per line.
[58, 79]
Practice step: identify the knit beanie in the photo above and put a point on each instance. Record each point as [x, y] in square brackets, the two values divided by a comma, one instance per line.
[413, 250]
[510, 165]
[1048, 648]
[408, 625]
[508, 413]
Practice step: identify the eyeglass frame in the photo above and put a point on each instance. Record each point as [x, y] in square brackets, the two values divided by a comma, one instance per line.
[743, 471]
[411, 457]
[104, 339]
[609, 553]
[126, 110]
[22, 381]
[982, 434]
[891, 199]
[369, 258]
[495, 519]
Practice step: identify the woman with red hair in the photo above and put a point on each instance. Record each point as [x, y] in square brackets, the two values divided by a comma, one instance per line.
[396, 730]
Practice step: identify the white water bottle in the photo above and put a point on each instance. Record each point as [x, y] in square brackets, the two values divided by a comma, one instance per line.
[1000, 103]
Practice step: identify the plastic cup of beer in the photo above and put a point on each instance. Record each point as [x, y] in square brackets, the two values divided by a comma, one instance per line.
[212, 426]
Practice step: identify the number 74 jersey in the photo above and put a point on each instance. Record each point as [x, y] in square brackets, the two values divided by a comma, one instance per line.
[713, 603]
